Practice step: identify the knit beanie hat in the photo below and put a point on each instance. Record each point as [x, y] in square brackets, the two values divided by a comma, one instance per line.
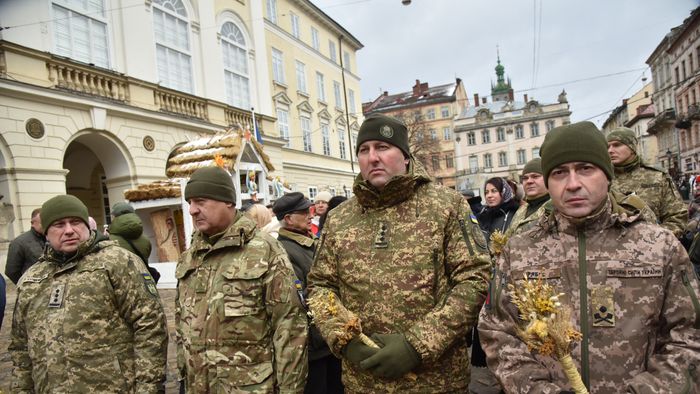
[323, 196]
[384, 128]
[65, 206]
[534, 165]
[580, 141]
[121, 208]
[211, 182]
[624, 135]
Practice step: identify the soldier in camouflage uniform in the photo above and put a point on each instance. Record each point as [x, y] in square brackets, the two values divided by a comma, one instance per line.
[629, 284]
[407, 257]
[88, 317]
[240, 324]
[536, 197]
[653, 186]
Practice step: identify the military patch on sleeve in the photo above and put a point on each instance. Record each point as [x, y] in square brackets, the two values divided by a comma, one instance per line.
[472, 217]
[603, 306]
[150, 284]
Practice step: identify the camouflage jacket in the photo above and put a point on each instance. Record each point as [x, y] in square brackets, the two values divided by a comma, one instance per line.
[656, 188]
[91, 323]
[522, 222]
[240, 325]
[633, 296]
[409, 260]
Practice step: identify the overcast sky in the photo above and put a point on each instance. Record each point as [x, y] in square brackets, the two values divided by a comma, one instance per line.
[438, 40]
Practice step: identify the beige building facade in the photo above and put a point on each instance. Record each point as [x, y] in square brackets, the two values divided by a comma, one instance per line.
[97, 96]
[429, 113]
[497, 138]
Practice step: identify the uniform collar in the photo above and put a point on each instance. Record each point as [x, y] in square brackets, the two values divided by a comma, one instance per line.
[301, 239]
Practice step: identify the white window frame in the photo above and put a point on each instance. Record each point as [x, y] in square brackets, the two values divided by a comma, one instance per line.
[534, 129]
[519, 132]
[446, 134]
[271, 6]
[536, 152]
[502, 159]
[300, 69]
[351, 102]
[471, 138]
[346, 61]
[283, 124]
[169, 77]
[320, 86]
[305, 122]
[488, 162]
[295, 25]
[332, 52]
[313, 192]
[326, 137]
[341, 143]
[315, 41]
[473, 164]
[500, 134]
[522, 158]
[277, 65]
[445, 111]
[336, 94]
[430, 114]
[433, 135]
[236, 75]
[486, 136]
[96, 24]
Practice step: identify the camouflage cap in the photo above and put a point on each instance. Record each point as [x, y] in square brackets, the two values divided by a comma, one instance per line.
[624, 135]
[384, 128]
[580, 141]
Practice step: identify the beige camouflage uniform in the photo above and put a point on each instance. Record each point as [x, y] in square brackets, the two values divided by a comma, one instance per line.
[240, 324]
[656, 188]
[411, 260]
[93, 323]
[639, 312]
[522, 222]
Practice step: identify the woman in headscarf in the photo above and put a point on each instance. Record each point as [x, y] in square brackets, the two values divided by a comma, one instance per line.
[500, 207]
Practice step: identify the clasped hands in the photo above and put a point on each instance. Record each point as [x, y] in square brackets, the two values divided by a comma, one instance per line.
[392, 360]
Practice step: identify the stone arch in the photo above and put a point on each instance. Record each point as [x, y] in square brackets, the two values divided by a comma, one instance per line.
[100, 168]
[9, 206]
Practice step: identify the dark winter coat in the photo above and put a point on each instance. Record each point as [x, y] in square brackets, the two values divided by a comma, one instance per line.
[497, 218]
[300, 250]
[127, 229]
[23, 252]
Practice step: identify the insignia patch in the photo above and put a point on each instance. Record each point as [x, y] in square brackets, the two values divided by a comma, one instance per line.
[386, 131]
[56, 296]
[645, 272]
[380, 239]
[472, 217]
[150, 284]
[603, 306]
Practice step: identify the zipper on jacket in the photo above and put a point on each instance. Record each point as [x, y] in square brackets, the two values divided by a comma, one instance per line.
[693, 297]
[465, 235]
[583, 306]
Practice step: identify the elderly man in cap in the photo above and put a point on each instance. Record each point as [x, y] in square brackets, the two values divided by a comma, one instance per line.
[536, 197]
[88, 317]
[403, 256]
[293, 213]
[652, 185]
[240, 325]
[628, 283]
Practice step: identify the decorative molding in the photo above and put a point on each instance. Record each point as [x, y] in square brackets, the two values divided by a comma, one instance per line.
[35, 128]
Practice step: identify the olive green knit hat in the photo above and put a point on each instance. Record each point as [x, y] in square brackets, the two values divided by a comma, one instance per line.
[211, 182]
[121, 208]
[624, 135]
[384, 128]
[534, 165]
[64, 206]
[580, 141]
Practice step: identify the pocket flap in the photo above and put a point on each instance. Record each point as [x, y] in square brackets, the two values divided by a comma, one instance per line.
[246, 271]
[245, 374]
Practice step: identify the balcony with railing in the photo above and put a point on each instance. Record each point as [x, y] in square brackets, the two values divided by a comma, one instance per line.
[662, 121]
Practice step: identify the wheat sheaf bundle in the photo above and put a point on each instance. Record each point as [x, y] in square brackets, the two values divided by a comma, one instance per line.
[498, 242]
[546, 325]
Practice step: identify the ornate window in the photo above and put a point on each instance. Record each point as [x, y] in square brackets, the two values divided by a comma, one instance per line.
[80, 31]
[171, 26]
[235, 56]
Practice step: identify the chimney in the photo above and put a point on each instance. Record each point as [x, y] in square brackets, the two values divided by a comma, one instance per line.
[483, 100]
[476, 99]
[416, 88]
[525, 97]
[386, 94]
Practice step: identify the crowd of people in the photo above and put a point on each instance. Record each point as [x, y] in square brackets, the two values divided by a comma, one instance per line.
[383, 292]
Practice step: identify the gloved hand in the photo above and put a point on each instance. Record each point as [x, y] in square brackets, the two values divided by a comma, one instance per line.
[356, 351]
[396, 357]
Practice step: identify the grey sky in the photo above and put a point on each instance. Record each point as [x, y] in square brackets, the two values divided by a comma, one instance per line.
[438, 40]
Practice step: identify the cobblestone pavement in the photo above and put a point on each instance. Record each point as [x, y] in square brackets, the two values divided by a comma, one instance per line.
[479, 375]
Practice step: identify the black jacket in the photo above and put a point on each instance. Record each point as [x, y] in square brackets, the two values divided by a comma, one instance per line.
[497, 218]
[300, 250]
[23, 252]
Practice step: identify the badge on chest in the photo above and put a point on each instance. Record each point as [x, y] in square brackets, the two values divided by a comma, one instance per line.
[603, 306]
[56, 296]
[381, 236]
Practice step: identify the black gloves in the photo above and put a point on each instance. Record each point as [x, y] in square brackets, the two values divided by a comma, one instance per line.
[356, 351]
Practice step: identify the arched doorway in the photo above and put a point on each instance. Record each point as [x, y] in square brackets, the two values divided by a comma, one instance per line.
[99, 170]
